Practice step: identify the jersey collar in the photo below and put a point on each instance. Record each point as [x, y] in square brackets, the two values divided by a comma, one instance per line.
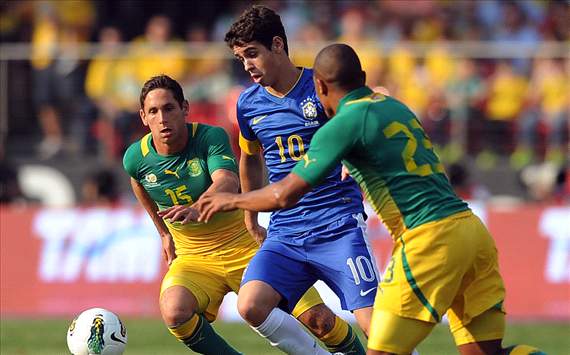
[354, 95]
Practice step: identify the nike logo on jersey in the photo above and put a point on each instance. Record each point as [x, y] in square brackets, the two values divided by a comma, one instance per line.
[170, 172]
[114, 338]
[308, 160]
[257, 119]
[225, 157]
[364, 293]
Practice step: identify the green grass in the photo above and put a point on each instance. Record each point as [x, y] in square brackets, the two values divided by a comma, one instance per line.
[149, 336]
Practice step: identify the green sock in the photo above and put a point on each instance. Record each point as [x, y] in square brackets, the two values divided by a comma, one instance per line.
[350, 345]
[205, 340]
[523, 350]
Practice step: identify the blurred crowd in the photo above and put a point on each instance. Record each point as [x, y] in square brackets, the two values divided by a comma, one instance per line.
[514, 108]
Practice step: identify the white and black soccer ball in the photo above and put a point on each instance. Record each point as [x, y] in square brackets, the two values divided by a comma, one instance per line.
[97, 331]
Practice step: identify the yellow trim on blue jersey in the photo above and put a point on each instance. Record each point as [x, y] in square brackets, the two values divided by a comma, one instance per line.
[194, 128]
[374, 97]
[145, 144]
[249, 147]
[292, 87]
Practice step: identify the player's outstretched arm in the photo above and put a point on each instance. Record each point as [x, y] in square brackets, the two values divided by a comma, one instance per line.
[282, 194]
[222, 181]
[151, 208]
[252, 177]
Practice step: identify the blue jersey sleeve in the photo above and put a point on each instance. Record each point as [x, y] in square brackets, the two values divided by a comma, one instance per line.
[248, 141]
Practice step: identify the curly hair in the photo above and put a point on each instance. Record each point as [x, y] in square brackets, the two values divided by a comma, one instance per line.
[162, 82]
[258, 23]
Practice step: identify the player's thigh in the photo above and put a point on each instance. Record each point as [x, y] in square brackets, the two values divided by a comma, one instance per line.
[203, 278]
[343, 259]
[482, 287]
[485, 331]
[284, 269]
[395, 334]
[426, 270]
[363, 317]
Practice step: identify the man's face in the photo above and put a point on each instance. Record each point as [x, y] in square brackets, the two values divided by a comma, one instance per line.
[164, 116]
[260, 62]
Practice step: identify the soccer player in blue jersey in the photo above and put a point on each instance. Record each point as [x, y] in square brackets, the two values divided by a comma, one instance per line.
[322, 237]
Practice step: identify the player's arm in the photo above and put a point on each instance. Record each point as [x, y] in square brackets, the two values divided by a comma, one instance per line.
[328, 147]
[252, 177]
[221, 167]
[152, 209]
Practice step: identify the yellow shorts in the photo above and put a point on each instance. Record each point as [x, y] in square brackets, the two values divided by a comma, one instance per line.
[211, 277]
[399, 335]
[450, 264]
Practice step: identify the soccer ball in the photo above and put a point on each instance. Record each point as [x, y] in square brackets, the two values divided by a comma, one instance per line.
[96, 331]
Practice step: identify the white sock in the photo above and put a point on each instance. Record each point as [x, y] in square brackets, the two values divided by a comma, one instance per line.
[285, 332]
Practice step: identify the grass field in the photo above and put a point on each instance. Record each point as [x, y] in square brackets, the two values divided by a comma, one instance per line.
[148, 336]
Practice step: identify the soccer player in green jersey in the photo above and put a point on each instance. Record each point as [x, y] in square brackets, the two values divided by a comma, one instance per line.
[172, 166]
[443, 262]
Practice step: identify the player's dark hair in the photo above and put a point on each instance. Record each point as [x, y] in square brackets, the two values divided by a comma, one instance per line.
[162, 82]
[258, 23]
[338, 64]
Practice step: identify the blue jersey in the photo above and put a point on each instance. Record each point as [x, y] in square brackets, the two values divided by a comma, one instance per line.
[283, 127]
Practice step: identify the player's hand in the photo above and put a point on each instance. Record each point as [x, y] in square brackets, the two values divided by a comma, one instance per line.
[344, 173]
[212, 202]
[168, 249]
[258, 233]
[179, 213]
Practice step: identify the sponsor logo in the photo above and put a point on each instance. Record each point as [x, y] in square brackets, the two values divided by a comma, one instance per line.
[114, 337]
[170, 172]
[307, 160]
[364, 293]
[257, 119]
[96, 245]
[72, 327]
[225, 157]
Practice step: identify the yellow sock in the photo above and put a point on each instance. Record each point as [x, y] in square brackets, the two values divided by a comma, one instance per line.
[337, 334]
[185, 330]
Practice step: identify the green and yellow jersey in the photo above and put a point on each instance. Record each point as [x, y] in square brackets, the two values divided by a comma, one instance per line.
[387, 152]
[181, 178]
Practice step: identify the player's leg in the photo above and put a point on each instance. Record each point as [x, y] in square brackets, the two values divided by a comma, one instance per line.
[269, 285]
[337, 335]
[393, 334]
[476, 327]
[184, 306]
[346, 264]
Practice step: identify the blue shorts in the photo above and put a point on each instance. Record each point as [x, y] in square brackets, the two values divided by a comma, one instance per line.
[339, 255]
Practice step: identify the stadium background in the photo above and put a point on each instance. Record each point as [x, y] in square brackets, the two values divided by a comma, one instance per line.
[489, 79]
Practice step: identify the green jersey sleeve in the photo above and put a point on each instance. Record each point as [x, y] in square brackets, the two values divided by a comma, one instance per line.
[131, 160]
[328, 147]
[219, 152]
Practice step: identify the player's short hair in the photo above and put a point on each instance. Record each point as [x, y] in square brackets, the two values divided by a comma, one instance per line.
[258, 23]
[162, 82]
[338, 64]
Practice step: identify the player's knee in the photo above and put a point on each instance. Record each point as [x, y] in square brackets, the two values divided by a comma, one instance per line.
[177, 306]
[319, 319]
[174, 316]
[252, 311]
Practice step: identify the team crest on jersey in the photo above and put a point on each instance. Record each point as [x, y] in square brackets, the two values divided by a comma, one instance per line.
[309, 107]
[151, 180]
[194, 167]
